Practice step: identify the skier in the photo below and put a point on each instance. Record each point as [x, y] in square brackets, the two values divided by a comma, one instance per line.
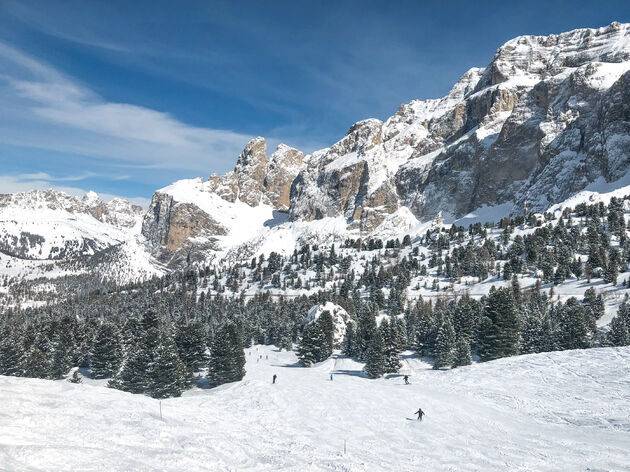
[406, 379]
[420, 413]
[331, 376]
[274, 378]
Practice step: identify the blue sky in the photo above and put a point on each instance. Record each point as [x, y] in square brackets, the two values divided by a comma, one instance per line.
[124, 97]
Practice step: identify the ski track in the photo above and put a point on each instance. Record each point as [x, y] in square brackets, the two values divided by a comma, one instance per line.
[554, 411]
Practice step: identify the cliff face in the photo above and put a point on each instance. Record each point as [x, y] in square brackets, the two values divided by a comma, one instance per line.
[544, 119]
[547, 117]
[179, 229]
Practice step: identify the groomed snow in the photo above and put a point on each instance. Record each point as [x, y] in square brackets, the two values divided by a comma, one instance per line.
[557, 411]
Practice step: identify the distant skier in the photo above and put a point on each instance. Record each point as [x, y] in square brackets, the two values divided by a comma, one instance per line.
[420, 413]
[274, 378]
[406, 379]
[331, 376]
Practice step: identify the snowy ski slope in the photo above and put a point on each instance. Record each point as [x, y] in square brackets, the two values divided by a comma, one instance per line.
[565, 411]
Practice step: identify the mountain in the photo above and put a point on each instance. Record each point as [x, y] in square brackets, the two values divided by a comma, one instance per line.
[545, 119]
[45, 230]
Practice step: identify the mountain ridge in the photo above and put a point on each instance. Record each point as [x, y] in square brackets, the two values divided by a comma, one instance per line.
[546, 118]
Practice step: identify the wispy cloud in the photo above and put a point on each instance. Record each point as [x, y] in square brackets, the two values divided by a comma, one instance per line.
[43, 108]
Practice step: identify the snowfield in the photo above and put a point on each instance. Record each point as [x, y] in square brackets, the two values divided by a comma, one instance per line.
[557, 411]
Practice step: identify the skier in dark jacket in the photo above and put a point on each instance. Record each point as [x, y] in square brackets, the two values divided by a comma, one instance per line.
[406, 379]
[274, 378]
[420, 413]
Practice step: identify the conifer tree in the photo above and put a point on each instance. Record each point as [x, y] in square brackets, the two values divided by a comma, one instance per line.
[76, 378]
[391, 357]
[499, 331]
[10, 354]
[36, 365]
[169, 373]
[462, 355]
[327, 328]
[575, 328]
[135, 375]
[227, 358]
[619, 335]
[106, 356]
[444, 345]
[308, 346]
[191, 346]
[374, 358]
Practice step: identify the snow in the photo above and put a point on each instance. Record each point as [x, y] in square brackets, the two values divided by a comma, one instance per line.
[339, 316]
[242, 222]
[483, 214]
[556, 411]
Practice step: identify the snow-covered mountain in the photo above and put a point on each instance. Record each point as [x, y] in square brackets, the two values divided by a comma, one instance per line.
[546, 121]
[547, 117]
[53, 233]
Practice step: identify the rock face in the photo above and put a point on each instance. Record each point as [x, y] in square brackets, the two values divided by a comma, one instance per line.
[284, 165]
[256, 180]
[547, 117]
[181, 231]
[170, 227]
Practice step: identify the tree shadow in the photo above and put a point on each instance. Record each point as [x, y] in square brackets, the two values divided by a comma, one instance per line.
[354, 373]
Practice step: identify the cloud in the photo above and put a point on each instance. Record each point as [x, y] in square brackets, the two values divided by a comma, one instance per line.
[44, 109]
[43, 181]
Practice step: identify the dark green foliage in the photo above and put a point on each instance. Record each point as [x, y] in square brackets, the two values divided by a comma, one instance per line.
[619, 334]
[374, 357]
[36, 364]
[10, 353]
[391, 349]
[461, 356]
[316, 344]
[169, 374]
[499, 331]
[135, 375]
[191, 346]
[227, 358]
[575, 328]
[444, 345]
[107, 353]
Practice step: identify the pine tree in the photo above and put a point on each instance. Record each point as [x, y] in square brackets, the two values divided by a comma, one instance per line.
[36, 365]
[619, 335]
[365, 330]
[374, 357]
[327, 328]
[391, 353]
[106, 356]
[462, 355]
[191, 346]
[10, 354]
[499, 331]
[444, 345]
[574, 327]
[227, 358]
[169, 372]
[307, 347]
[135, 375]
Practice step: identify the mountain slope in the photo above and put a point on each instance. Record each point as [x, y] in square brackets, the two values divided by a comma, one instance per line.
[545, 119]
[556, 411]
[45, 230]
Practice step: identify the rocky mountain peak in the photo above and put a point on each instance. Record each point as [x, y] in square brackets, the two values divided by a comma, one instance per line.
[284, 165]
